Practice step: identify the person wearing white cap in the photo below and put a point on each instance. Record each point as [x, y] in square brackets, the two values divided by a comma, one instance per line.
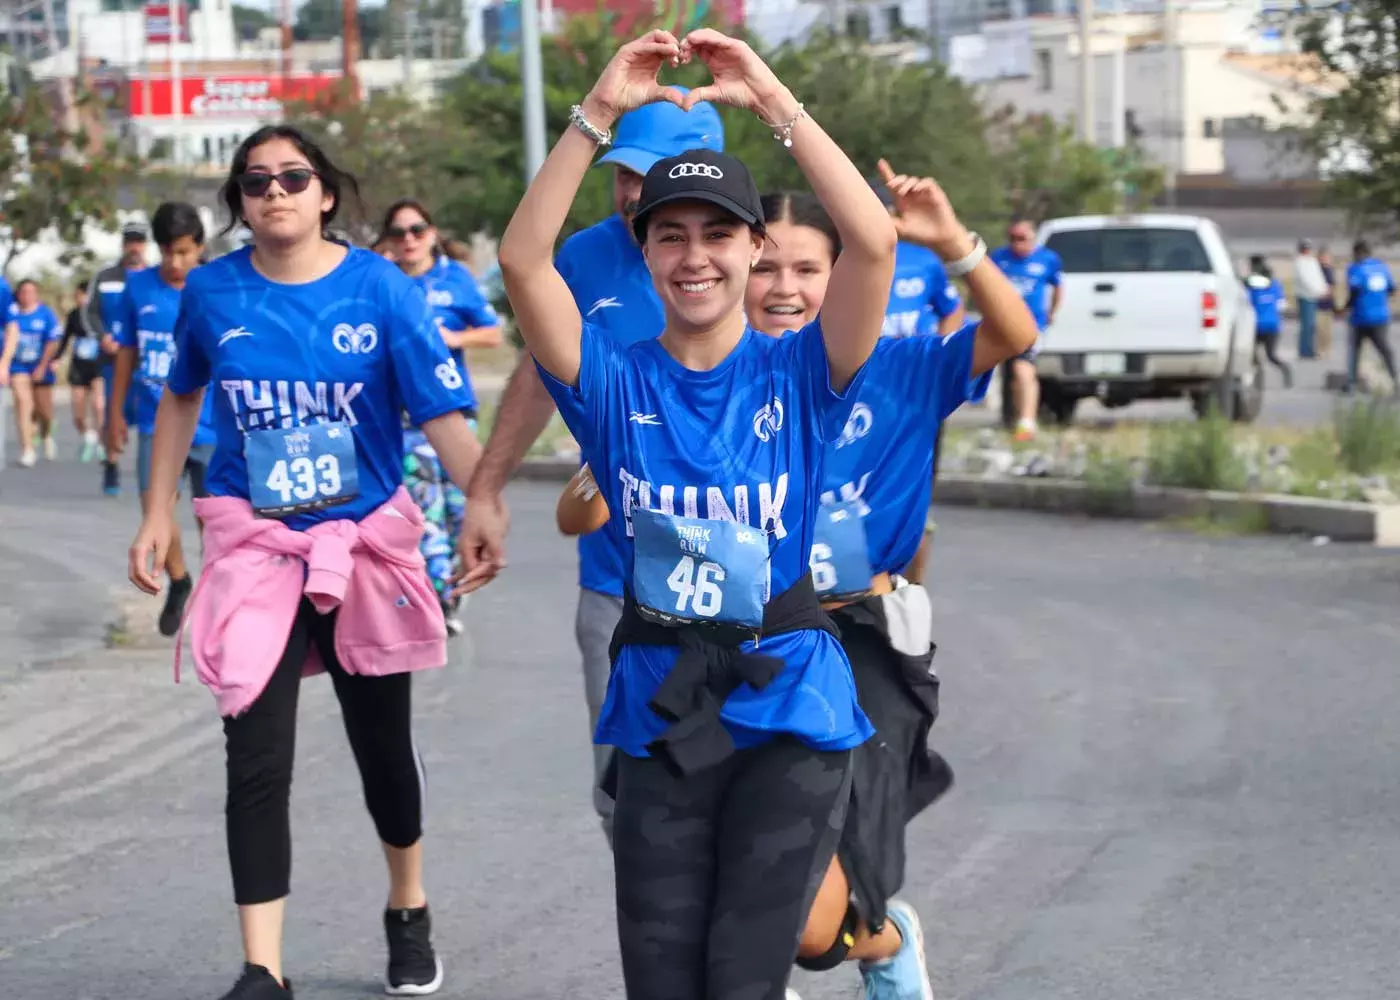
[604, 269]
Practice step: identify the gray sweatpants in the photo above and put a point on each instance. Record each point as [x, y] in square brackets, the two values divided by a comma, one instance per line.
[594, 622]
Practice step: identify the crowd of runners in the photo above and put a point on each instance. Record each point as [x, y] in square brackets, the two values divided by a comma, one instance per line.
[756, 382]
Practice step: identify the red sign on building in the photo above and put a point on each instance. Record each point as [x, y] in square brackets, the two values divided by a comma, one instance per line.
[160, 21]
[213, 97]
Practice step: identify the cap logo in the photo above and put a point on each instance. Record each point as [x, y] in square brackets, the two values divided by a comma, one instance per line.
[696, 170]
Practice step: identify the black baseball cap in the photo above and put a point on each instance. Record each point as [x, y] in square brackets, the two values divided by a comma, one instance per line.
[699, 175]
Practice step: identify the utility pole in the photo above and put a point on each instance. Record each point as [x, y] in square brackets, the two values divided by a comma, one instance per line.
[410, 30]
[1086, 72]
[532, 86]
[350, 48]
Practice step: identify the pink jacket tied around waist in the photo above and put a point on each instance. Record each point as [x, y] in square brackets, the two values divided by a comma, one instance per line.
[257, 569]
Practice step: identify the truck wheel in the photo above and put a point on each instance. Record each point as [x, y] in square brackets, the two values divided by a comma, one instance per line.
[1057, 407]
[1249, 395]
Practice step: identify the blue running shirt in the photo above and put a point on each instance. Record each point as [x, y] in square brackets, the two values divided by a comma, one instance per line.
[457, 304]
[921, 291]
[357, 346]
[1371, 286]
[1033, 275]
[742, 442]
[145, 320]
[1266, 295]
[605, 270]
[37, 328]
[883, 459]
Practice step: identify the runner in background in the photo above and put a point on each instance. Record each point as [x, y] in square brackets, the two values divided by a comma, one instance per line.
[103, 306]
[144, 329]
[30, 328]
[1035, 271]
[85, 380]
[465, 319]
[607, 275]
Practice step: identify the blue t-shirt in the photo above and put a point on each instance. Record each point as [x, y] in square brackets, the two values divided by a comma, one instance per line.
[109, 303]
[37, 328]
[743, 442]
[607, 274]
[920, 291]
[1266, 296]
[358, 346]
[1371, 286]
[457, 304]
[7, 296]
[145, 320]
[1033, 275]
[883, 458]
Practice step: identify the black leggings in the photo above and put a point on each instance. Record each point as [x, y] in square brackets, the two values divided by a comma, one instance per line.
[716, 872]
[261, 744]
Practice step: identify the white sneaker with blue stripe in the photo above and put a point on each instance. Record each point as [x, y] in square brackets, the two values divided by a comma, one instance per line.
[904, 975]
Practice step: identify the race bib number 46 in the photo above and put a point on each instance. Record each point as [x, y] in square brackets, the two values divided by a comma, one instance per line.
[298, 469]
[840, 562]
[697, 570]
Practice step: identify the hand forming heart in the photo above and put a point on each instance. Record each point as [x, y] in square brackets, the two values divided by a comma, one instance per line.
[924, 215]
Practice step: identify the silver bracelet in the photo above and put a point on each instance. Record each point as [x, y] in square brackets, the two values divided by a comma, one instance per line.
[600, 137]
[782, 131]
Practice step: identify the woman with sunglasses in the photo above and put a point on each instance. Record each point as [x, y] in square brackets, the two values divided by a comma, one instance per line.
[730, 702]
[465, 319]
[313, 350]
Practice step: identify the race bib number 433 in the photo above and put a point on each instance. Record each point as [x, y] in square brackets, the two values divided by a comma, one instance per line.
[689, 570]
[297, 469]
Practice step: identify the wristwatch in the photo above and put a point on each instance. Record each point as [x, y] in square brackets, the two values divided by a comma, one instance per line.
[957, 268]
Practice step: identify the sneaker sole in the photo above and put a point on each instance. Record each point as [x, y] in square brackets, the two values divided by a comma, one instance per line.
[918, 926]
[414, 989]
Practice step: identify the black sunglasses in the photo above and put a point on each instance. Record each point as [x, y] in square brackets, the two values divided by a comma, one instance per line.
[293, 181]
[399, 232]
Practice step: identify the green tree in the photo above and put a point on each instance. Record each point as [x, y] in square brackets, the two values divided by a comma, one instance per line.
[1045, 171]
[1351, 52]
[396, 148]
[320, 21]
[51, 177]
[248, 21]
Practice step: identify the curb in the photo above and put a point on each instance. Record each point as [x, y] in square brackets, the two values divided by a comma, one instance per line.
[1339, 520]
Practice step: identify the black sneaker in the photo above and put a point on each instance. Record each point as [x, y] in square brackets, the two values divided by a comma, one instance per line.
[257, 983]
[414, 968]
[111, 479]
[174, 610]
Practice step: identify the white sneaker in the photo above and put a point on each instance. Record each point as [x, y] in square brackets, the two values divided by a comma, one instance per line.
[27, 458]
[50, 448]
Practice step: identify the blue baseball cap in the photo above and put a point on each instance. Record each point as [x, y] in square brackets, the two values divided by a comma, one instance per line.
[661, 130]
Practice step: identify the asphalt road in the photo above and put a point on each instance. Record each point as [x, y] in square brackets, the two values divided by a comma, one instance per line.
[1176, 763]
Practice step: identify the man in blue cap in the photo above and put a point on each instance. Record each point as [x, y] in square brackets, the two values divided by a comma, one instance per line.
[607, 274]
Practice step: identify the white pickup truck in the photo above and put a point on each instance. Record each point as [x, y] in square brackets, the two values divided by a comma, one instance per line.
[1152, 309]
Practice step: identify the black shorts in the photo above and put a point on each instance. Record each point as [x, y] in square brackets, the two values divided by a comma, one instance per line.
[83, 373]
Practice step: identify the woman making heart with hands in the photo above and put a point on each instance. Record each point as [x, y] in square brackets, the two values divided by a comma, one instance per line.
[707, 441]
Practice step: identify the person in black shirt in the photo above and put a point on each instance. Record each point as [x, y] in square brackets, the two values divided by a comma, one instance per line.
[85, 378]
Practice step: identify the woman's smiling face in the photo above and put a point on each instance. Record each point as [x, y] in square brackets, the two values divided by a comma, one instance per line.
[788, 285]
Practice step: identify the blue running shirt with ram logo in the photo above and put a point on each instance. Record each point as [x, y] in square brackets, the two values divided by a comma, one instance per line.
[352, 350]
[920, 294]
[882, 461]
[457, 304]
[742, 442]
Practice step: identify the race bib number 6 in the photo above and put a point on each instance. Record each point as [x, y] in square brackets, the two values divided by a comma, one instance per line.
[688, 570]
[297, 469]
[839, 561]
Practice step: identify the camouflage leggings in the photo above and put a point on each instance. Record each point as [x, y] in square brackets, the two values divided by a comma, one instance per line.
[716, 872]
[441, 502]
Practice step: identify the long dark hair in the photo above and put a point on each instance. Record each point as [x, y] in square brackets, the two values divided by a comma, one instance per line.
[418, 207]
[801, 208]
[339, 184]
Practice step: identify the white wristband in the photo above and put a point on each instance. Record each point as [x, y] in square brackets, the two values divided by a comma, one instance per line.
[957, 268]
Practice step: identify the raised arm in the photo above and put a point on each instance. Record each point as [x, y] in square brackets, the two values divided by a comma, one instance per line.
[854, 309]
[545, 312]
[924, 216]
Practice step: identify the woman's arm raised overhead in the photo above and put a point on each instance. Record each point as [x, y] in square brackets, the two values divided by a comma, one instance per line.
[545, 312]
[859, 289]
